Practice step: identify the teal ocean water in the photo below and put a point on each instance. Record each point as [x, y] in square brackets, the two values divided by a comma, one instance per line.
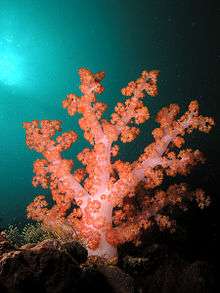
[42, 45]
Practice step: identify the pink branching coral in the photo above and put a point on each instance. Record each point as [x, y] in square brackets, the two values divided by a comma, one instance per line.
[97, 202]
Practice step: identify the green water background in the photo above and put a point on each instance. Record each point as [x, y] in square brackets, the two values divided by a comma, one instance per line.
[43, 43]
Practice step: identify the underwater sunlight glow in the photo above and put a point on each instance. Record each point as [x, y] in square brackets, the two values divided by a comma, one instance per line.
[11, 68]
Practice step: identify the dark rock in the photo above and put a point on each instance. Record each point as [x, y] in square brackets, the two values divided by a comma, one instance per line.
[77, 251]
[197, 277]
[5, 245]
[39, 270]
[27, 246]
[161, 270]
[54, 267]
[51, 267]
[46, 244]
[119, 280]
[93, 281]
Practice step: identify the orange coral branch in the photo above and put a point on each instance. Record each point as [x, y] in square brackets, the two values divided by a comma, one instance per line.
[96, 202]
